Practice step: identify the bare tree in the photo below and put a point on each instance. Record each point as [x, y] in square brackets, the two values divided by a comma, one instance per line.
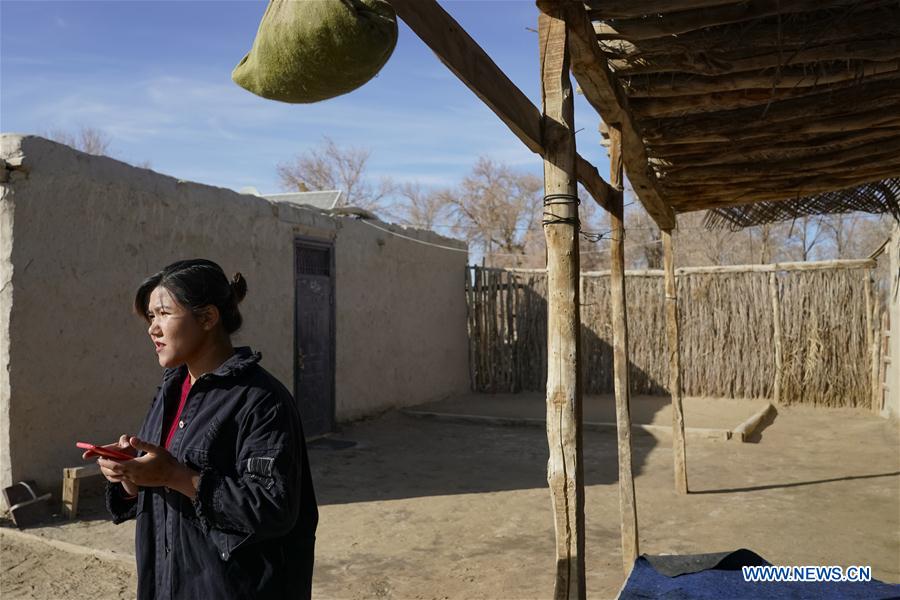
[854, 235]
[330, 167]
[421, 207]
[88, 139]
[804, 235]
[643, 240]
[499, 210]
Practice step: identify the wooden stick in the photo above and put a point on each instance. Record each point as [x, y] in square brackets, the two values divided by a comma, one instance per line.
[564, 411]
[776, 337]
[884, 360]
[870, 334]
[675, 388]
[627, 507]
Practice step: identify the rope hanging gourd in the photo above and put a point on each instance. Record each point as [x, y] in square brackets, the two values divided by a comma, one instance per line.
[311, 50]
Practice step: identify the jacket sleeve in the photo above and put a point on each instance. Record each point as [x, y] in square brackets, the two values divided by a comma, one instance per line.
[118, 504]
[262, 500]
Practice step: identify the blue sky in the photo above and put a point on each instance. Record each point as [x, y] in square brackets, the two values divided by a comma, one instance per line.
[156, 77]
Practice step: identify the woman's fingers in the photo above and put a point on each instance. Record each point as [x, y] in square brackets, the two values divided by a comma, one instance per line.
[139, 444]
[112, 470]
[110, 466]
[123, 441]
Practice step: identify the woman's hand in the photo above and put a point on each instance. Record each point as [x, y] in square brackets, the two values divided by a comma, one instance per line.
[156, 468]
[122, 446]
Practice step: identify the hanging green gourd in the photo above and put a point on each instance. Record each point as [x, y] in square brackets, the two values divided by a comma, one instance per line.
[311, 50]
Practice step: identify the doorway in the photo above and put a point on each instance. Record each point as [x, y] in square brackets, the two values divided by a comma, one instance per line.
[314, 334]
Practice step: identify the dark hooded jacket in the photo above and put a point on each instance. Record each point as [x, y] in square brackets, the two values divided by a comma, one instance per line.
[250, 531]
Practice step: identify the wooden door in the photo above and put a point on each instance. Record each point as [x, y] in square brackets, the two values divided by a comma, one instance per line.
[314, 335]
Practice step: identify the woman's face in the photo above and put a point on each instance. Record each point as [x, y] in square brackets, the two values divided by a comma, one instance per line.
[174, 330]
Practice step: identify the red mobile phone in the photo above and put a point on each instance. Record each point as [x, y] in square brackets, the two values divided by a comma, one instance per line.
[105, 452]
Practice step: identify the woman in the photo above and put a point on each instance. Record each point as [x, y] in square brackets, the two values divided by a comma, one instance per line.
[220, 485]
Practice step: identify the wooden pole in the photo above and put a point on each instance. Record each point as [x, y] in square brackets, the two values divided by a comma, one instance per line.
[674, 340]
[565, 466]
[870, 336]
[776, 336]
[883, 360]
[627, 507]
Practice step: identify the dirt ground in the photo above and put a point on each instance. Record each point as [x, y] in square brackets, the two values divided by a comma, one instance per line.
[432, 509]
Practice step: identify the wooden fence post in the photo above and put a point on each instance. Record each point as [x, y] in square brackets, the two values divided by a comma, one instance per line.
[564, 422]
[776, 337]
[674, 347]
[627, 507]
[871, 343]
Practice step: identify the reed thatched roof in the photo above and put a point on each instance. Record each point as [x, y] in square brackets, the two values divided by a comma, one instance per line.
[880, 197]
[726, 103]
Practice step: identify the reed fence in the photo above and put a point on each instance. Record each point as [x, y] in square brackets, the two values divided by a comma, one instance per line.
[805, 333]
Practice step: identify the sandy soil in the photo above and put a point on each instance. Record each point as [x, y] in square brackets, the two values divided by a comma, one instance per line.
[35, 570]
[430, 509]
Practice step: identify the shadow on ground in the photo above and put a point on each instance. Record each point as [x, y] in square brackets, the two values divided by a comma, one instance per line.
[399, 456]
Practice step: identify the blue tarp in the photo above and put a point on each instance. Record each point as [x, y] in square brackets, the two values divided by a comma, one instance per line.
[719, 576]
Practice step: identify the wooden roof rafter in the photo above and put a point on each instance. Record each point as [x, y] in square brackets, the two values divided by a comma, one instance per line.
[602, 91]
[643, 25]
[751, 101]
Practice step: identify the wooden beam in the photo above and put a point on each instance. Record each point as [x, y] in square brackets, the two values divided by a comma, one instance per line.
[667, 85]
[705, 194]
[800, 147]
[837, 159]
[878, 50]
[602, 91]
[615, 9]
[673, 342]
[845, 101]
[823, 265]
[472, 65]
[590, 178]
[763, 100]
[692, 19]
[565, 471]
[803, 125]
[627, 504]
[807, 29]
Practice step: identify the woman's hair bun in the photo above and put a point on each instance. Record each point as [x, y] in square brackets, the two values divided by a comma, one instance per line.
[239, 287]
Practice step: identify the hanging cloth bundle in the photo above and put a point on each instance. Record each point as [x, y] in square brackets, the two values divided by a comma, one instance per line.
[311, 50]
